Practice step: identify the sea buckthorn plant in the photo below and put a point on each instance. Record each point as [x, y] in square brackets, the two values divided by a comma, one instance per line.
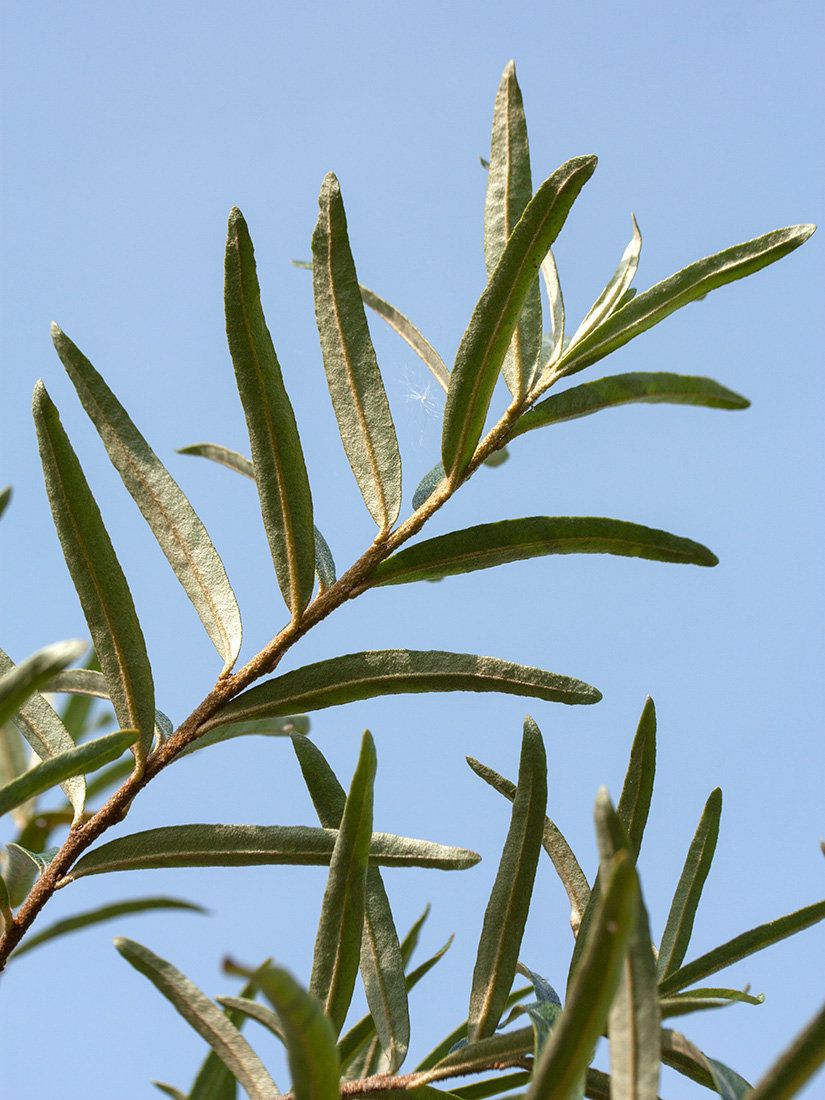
[620, 983]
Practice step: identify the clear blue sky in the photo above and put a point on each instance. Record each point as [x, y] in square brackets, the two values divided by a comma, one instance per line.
[128, 133]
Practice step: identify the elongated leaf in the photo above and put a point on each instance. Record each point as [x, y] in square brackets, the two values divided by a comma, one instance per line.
[699, 1000]
[176, 1094]
[338, 941]
[283, 485]
[456, 1040]
[5, 497]
[692, 282]
[679, 1053]
[104, 913]
[398, 672]
[491, 544]
[485, 342]
[796, 1065]
[90, 682]
[179, 532]
[486, 1052]
[381, 960]
[625, 389]
[40, 725]
[264, 727]
[428, 485]
[569, 1050]
[566, 865]
[509, 190]
[204, 1016]
[14, 761]
[492, 1087]
[637, 791]
[18, 682]
[97, 577]
[353, 377]
[509, 904]
[87, 757]
[410, 941]
[19, 873]
[310, 1040]
[407, 331]
[679, 926]
[252, 845]
[555, 338]
[613, 293]
[261, 1013]
[748, 943]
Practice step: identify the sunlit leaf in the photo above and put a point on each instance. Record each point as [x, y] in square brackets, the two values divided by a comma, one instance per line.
[91, 683]
[170, 1090]
[637, 791]
[407, 331]
[281, 476]
[457, 1038]
[613, 293]
[179, 532]
[699, 1000]
[353, 377]
[478, 1056]
[14, 760]
[18, 682]
[796, 1065]
[261, 1013]
[552, 342]
[259, 727]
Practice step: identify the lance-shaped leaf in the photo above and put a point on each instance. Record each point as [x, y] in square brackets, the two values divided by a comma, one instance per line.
[381, 960]
[796, 1065]
[699, 1000]
[637, 791]
[204, 1016]
[264, 727]
[748, 943]
[624, 389]
[5, 497]
[91, 683]
[485, 342]
[14, 761]
[553, 341]
[253, 845]
[506, 913]
[695, 281]
[482, 1055]
[566, 865]
[491, 544]
[22, 867]
[18, 682]
[309, 1036]
[680, 1054]
[87, 757]
[456, 1040]
[179, 532]
[97, 577]
[408, 332]
[509, 189]
[338, 941]
[261, 1013]
[353, 377]
[679, 926]
[615, 290]
[40, 725]
[569, 1050]
[366, 675]
[428, 485]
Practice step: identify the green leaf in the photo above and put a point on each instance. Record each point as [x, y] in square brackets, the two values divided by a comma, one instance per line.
[22, 868]
[263, 727]
[91, 682]
[18, 682]
[87, 757]
[625, 389]
[485, 342]
[509, 904]
[483, 1054]
[407, 331]
[491, 544]
[568, 1052]
[410, 941]
[699, 1000]
[256, 845]
[653, 305]
[98, 916]
[5, 497]
[283, 485]
[338, 941]
[554, 340]
[261, 1013]
[14, 761]
[680, 1054]
[611, 296]
[748, 943]
[679, 926]
[179, 532]
[170, 1090]
[634, 804]
[428, 485]
[204, 1016]
[450, 1043]
[796, 1065]
[6, 915]
[309, 1037]
[97, 577]
[566, 865]
[382, 960]
[374, 673]
[353, 377]
[492, 1087]
[509, 190]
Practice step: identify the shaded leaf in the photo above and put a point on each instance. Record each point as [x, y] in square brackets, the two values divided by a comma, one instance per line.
[408, 332]
[261, 1013]
[485, 342]
[637, 791]
[262, 727]
[679, 1053]
[92, 683]
[492, 1087]
[486, 1052]
[428, 485]
[170, 1090]
[611, 296]
[281, 476]
[796, 1065]
[179, 532]
[14, 761]
[698, 1000]
[458, 1037]
[18, 682]
[491, 544]
[5, 497]
[353, 377]
[22, 867]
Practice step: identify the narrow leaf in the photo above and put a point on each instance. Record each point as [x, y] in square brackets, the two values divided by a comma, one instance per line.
[353, 377]
[21, 869]
[555, 338]
[179, 532]
[263, 727]
[491, 544]
[261, 1013]
[796, 1065]
[338, 941]
[204, 1016]
[625, 389]
[679, 926]
[613, 293]
[495, 1049]
[699, 1000]
[14, 761]
[492, 1087]
[407, 331]
[634, 804]
[5, 497]
[679, 1053]
[509, 904]
[253, 845]
[456, 1040]
[695, 281]
[18, 682]
[98, 916]
[170, 1090]
[428, 485]
[485, 342]
[97, 577]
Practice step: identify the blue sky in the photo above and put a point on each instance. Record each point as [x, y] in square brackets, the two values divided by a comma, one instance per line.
[128, 133]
